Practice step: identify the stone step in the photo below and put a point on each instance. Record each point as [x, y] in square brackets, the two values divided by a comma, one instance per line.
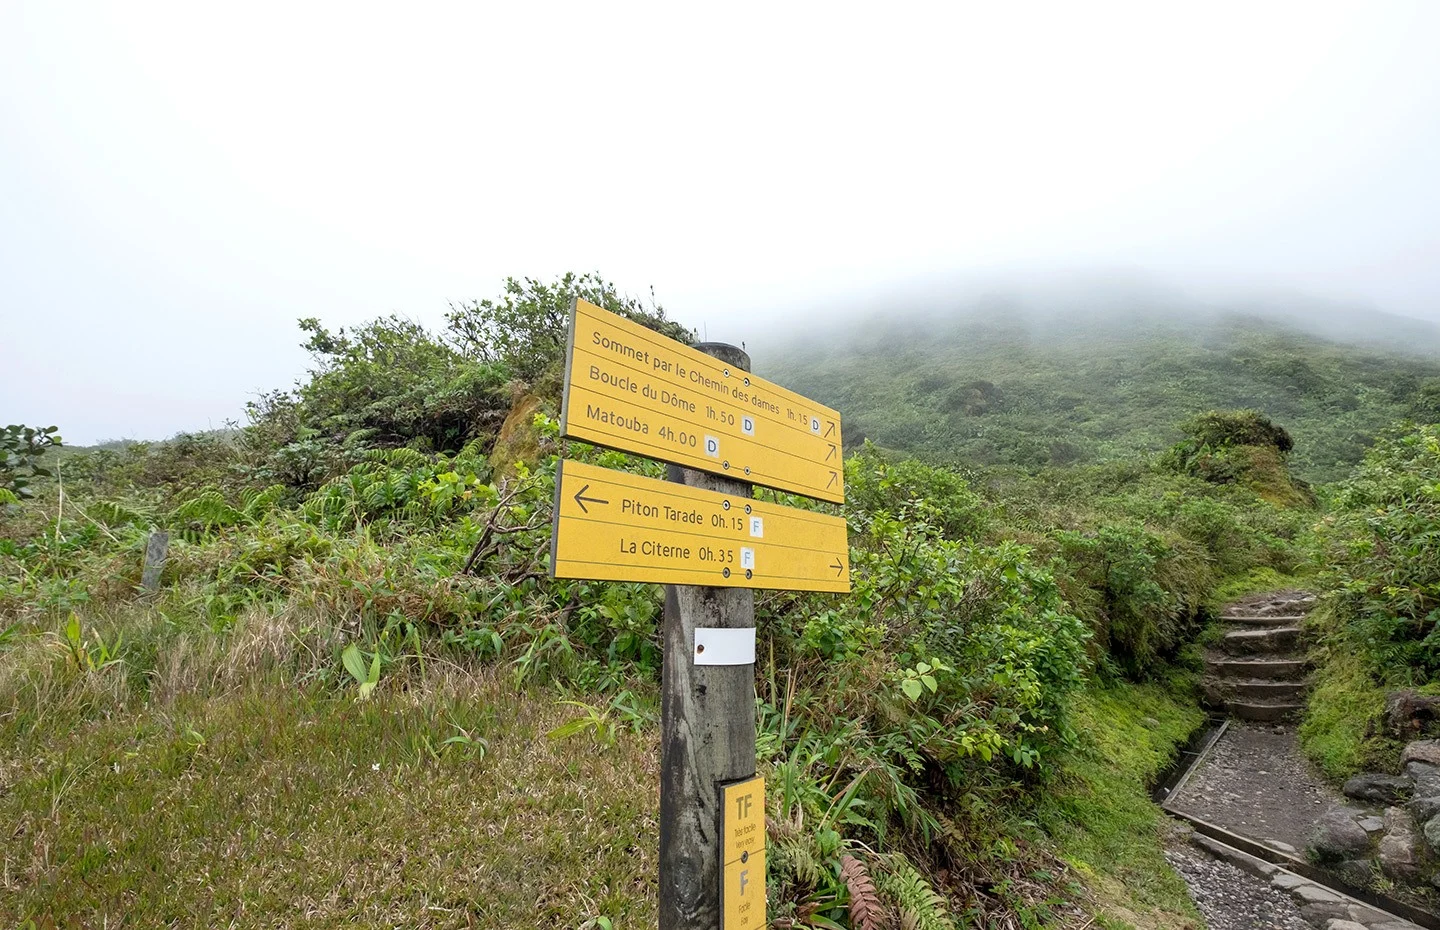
[1264, 712]
[1229, 689]
[1268, 669]
[1285, 604]
[1283, 620]
[1260, 642]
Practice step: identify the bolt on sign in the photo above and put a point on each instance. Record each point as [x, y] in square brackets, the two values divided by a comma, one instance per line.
[632, 389]
[615, 526]
[742, 838]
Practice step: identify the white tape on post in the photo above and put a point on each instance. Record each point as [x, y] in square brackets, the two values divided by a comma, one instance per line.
[724, 647]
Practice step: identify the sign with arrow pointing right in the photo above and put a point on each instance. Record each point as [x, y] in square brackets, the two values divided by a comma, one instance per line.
[615, 526]
[629, 388]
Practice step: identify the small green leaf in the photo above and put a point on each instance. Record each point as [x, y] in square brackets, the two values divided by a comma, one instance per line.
[911, 687]
[930, 682]
[570, 728]
[354, 663]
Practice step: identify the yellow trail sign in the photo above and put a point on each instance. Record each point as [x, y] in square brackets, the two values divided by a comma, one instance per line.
[630, 388]
[615, 526]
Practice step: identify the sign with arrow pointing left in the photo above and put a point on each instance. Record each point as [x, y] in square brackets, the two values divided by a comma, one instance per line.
[615, 526]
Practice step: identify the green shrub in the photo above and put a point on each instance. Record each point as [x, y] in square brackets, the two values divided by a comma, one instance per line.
[1381, 549]
[21, 448]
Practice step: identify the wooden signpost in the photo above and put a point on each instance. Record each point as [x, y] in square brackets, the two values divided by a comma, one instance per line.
[705, 537]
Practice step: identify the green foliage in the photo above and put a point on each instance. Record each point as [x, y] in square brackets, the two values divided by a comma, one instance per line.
[1150, 589]
[1222, 429]
[1342, 730]
[94, 657]
[367, 677]
[910, 489]
[385, 384]
[21, 448]
[1239, 446]
[920, 906]
[1381, 549]
[524, 330]
[1008, 388]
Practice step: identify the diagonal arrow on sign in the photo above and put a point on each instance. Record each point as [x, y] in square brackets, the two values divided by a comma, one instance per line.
[831, 482]
[831, 454]
[581, 499]
[831, 431]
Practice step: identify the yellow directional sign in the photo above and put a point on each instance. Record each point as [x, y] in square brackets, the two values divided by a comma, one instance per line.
[742, 838]
[615, 526]
[630, 388]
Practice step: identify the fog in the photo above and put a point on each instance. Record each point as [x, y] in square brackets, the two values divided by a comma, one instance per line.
[180, 183]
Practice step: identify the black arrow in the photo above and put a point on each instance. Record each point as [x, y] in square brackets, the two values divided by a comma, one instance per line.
[831, 454]
[831, 431]
[827, 484]
[581, 500]
[839, 566]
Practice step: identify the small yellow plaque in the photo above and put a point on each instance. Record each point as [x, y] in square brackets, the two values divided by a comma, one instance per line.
[742, 839]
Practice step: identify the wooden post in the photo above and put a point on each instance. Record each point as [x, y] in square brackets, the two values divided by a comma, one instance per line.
[155, 551]
[707, 724]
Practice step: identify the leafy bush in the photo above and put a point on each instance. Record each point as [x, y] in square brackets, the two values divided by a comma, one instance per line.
[1151, 588]
[21, 448]
[908, 488]
[524, 330]
[1381, 549]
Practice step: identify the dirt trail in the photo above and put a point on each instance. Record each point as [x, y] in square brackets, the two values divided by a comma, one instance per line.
[1255, 782]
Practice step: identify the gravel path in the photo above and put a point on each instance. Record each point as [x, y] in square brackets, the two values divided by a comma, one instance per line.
[1254, 782]
[1232, 899]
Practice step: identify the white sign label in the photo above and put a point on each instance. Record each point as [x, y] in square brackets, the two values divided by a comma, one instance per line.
[724, 647]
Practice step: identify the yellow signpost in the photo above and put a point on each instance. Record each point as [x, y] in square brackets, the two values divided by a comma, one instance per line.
[615, 526]
[630, 388]
[742, 839]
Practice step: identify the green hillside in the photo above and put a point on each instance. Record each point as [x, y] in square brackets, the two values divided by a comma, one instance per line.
[1001, 384]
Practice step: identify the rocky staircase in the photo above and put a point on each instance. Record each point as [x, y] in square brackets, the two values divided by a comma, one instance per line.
[1257, 671]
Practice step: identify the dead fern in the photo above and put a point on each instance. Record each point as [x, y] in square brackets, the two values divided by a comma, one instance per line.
[866, 910]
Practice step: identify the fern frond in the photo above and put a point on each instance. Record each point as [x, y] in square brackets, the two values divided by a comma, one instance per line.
[866, 909]
[113, 513]
[803, 863]
[205, 514]
[921, 906]
[254, 504]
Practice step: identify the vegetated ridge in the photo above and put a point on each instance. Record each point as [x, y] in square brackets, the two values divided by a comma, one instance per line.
[1002, 381]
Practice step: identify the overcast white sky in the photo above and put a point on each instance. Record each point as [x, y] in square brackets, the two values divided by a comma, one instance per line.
[179, 183]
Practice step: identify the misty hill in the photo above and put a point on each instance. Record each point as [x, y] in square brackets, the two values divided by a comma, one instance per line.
[1002, 382]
